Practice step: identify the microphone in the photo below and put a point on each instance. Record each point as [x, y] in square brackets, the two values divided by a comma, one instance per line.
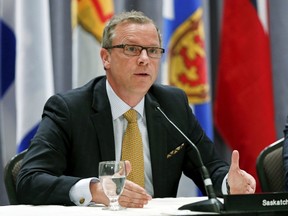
[212, 204]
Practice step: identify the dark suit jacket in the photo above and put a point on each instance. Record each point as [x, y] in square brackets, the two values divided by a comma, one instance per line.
[76, 133]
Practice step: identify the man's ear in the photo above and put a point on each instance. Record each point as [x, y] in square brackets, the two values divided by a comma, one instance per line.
[105, 56]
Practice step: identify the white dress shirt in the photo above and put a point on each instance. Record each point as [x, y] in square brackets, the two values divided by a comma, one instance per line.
[118, 108]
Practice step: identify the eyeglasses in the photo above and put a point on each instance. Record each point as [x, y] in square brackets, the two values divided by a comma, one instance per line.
[135, 50]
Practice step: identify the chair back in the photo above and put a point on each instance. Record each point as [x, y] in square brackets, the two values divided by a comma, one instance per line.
[10, 175]
[270, 169]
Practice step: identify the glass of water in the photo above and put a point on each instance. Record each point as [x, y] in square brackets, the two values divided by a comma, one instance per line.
[112, 175]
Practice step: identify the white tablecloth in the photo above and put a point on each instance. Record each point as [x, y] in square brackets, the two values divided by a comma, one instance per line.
[156, 207]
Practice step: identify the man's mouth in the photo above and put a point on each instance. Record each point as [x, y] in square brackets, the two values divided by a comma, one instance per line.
[142, 74]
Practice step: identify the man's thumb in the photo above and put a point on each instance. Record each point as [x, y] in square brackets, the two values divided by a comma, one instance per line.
[234, 160]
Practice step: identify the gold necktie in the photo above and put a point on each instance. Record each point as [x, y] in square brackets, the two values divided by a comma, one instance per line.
[132, 148]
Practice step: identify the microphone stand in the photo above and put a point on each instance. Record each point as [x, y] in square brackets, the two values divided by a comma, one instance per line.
[212, 204]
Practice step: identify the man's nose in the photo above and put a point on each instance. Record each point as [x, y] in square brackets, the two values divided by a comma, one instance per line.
[143, 57]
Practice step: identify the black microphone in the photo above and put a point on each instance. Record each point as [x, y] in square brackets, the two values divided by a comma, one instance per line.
[212, 204]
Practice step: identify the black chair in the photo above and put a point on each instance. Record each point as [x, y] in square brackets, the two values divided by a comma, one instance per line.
[10, 174]
[270, 169]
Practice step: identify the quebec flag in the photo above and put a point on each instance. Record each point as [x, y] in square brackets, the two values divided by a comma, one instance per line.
[26, 71]
[184, 62]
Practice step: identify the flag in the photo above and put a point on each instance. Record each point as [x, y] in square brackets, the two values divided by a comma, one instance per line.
[244, 107]
[27, 73]
[185, 56]
[7, 64]
[90, 17]
[7, 76]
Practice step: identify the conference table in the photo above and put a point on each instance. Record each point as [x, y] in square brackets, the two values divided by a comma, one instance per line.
[156, 207]
[162, 207]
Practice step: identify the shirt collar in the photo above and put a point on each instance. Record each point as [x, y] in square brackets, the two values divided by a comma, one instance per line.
[118, 106]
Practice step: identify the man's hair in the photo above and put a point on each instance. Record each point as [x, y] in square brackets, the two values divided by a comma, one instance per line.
[128, 17]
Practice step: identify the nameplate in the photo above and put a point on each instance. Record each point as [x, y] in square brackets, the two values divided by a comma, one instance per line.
[262, 202]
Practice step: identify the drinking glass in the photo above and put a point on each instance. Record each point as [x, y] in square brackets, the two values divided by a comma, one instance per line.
[112, 175]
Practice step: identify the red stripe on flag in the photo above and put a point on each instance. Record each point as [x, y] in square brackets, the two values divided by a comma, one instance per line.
[100, 12]
[244, 107]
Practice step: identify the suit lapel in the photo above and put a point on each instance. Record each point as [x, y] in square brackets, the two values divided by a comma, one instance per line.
[158, 147]
[102, 120]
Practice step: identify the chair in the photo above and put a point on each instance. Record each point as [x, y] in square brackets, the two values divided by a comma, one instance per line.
[10, 174]
[270, 169]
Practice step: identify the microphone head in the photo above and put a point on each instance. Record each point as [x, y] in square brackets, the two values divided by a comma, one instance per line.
[155, 105]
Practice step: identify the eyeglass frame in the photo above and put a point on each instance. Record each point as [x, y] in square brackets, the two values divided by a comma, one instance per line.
[122, 46]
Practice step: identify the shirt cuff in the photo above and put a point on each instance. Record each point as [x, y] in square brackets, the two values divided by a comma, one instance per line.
[80, 193]
[224, 186]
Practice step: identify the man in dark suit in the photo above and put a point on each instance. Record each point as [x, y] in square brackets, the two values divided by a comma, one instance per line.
[84, 126]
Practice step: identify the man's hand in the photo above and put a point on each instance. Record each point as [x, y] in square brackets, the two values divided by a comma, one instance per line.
[98, 195]
[240, 182]
[133, 196]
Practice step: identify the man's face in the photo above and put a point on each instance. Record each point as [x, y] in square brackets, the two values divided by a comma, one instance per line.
[132, 76]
